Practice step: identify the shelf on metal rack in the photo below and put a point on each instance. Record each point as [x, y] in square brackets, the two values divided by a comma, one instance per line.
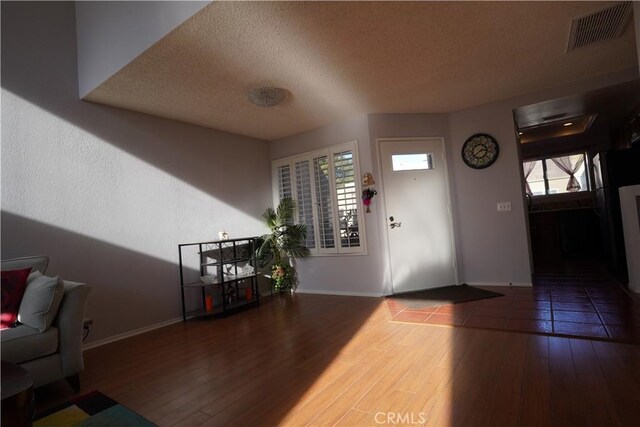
[229, 255]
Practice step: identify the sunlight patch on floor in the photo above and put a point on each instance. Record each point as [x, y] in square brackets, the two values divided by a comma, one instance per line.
[387, 374]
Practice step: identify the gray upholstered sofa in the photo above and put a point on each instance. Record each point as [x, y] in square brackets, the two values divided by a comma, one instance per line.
[55, 353]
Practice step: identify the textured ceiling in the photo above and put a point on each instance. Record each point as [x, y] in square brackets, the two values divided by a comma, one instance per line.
[338, 59]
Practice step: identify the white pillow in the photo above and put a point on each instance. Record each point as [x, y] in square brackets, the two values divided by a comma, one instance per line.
[41, 301]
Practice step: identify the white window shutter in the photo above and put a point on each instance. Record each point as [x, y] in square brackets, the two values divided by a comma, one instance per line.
[324, 205]
[305, 200]
[284, 182]
[347, 200]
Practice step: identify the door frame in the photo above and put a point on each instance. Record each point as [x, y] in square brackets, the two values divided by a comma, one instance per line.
[383, 202]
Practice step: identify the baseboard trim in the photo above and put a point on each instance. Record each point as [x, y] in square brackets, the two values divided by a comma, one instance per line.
[506, 284]
[129, 334]
[340, 293]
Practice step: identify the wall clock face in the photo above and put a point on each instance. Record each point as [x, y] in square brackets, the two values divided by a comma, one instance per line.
[480, 151]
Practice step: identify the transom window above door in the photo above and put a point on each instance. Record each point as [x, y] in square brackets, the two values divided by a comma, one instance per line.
[412, 162]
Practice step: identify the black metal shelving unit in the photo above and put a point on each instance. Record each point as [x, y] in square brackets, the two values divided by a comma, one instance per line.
[219, 272]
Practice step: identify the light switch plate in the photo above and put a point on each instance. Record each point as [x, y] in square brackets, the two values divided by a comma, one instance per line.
[504, 206]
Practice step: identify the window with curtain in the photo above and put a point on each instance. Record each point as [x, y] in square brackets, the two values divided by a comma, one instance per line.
[327, 190]
[554, 175]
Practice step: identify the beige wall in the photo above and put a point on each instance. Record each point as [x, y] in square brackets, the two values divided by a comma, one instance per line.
[106, 193]
[352, 274]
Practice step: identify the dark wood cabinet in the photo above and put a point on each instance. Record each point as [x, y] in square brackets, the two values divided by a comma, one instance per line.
[562, 235]
[546, 244]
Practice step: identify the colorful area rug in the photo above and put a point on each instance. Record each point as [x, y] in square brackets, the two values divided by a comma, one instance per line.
[92, 409]
[445, 295]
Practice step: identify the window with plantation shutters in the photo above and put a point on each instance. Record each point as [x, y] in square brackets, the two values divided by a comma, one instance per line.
[347, 199]
[324, 208]
[284, 181]
[305, 200]
[327, 190]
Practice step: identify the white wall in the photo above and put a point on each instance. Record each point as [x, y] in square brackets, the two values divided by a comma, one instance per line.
[352, 274]
[112, 33]
[494, 247]
[491, 246]
[106, 193]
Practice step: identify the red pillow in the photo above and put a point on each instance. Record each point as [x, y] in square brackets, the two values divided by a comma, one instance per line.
[14, 283]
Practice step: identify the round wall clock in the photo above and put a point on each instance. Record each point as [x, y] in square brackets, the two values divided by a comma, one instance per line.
[480, 151]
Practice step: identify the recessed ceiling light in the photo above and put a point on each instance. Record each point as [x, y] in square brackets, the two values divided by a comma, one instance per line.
[520, 133]
[267, 96]
[567, 124]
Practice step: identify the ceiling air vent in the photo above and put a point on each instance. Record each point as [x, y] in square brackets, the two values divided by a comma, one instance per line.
[605, 24]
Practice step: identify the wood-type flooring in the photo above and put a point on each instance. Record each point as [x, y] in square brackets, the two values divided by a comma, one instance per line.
[330, 360]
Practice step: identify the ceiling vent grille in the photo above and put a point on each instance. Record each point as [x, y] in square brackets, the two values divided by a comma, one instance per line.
[603, 25]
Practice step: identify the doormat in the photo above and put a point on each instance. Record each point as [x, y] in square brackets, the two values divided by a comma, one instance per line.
[93, 409]
[446, 295]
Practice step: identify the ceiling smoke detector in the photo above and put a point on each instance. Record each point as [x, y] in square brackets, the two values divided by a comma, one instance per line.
[267, 96]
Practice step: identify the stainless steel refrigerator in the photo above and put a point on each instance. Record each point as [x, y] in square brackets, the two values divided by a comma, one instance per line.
[612, 170]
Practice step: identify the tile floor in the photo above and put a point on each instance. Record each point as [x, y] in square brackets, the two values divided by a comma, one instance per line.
[593, 307]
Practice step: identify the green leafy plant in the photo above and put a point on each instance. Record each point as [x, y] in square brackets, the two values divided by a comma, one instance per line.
[284, 243]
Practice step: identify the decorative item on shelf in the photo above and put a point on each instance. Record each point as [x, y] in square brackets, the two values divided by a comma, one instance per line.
[248, 293]
[228, 269]
[223, 235]
[231, 295]
[282, 245]
[245, 270]
[208, 303]
[208, 279]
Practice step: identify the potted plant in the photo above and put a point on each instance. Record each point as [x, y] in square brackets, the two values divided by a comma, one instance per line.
[282, 245]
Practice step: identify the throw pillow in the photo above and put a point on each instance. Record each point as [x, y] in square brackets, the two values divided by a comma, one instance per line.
[13, 286]
[41, 301]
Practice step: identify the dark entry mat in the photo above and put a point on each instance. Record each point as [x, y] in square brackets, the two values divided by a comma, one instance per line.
[446, 295]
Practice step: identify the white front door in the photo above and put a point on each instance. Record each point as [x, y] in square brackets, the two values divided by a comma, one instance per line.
[418, 214]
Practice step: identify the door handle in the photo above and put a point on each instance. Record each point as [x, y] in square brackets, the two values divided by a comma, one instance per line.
[394, 224]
